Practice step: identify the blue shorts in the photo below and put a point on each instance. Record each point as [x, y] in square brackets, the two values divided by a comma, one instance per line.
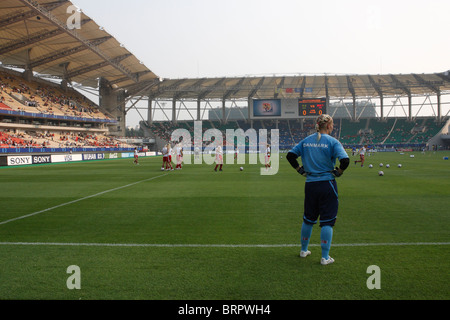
[321, 201]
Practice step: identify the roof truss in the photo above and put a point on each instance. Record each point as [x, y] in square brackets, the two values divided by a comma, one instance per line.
[40, 39]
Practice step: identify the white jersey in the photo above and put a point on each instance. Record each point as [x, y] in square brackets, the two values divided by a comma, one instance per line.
[219, 155]
[179, 151]
[164, 152]
[362, 151]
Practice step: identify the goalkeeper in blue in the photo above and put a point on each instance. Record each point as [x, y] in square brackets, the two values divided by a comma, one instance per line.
[319, 153]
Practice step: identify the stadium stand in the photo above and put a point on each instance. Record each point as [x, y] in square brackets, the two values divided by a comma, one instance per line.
[21, 95]
[395, 132]
[27, 110]
[4, 106]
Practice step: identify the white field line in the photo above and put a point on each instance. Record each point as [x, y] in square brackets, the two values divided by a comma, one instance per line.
[136, 245]
[78, 200]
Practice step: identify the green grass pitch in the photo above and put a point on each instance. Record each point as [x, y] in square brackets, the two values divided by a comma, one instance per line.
[138, 233]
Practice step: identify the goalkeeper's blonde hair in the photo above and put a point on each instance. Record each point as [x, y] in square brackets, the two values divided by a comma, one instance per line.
[321, 123]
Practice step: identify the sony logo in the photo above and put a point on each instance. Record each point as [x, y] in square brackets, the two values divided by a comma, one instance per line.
[41, 159]
[18, 161]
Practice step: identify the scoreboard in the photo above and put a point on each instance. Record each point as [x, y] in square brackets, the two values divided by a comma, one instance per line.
[312, 107]
[288, 108]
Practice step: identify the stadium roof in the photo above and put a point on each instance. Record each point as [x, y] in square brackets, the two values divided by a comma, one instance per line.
[38, 35]
[35, 35]
[305, 86]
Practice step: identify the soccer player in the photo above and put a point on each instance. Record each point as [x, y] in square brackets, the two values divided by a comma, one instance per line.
[268, 157]
[169, 157]
[136, 156]
[362, 156]
[319, 153]
[197, 153]
[179, 151]
[165, 152]
[219, 158]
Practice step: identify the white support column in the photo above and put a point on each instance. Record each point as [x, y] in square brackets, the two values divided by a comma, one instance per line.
[150, 111]
[224, 115]
[439, 106]
[174, 111]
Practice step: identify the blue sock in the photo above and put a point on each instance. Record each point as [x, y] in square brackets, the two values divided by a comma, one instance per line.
[326, 237]
[306, 235]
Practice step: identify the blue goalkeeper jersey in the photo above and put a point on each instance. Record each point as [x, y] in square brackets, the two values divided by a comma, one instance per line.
[319, 157]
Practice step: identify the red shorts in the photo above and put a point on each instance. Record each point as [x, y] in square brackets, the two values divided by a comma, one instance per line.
[165, 159]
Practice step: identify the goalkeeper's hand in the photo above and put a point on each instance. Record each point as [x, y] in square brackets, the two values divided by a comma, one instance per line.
[302, 171]
[337, 172]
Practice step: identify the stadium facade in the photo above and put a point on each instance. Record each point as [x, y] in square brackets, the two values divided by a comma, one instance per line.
[55, 41]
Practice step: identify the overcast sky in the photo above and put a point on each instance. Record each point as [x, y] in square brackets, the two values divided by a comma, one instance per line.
[215, 38]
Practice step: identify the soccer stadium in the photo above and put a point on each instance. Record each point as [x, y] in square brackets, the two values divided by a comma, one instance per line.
[88, 213]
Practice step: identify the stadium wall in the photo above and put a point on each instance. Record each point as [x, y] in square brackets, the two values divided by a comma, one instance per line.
[442, 139]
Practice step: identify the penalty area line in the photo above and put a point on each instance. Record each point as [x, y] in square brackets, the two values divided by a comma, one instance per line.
[81, 199]
[143, 245]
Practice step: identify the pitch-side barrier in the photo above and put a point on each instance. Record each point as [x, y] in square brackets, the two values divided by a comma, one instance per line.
[27, 159]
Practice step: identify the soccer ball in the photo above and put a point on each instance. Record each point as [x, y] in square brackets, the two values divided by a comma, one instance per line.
[388, 166]
[381, 165]
[399, 165]
[381, 173]
[241, 168]
[371, 166]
